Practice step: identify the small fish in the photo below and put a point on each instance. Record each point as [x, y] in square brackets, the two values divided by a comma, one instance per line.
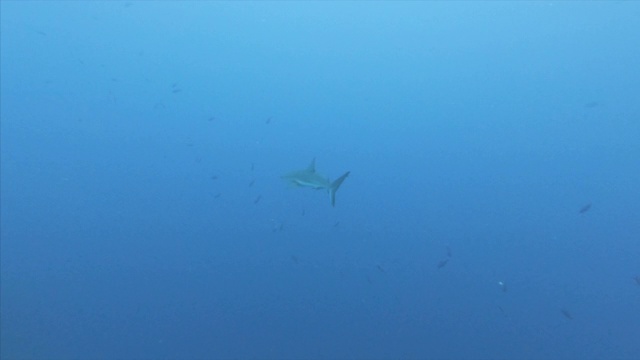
[566, 314]
[175, 91]
[277, 227]
[503, 286]
[591, 104]
[174, 85]
[268, 121]
[257, 200]
[214, 177]
[449, 254]
[380, 268]
[40, 32]
[252, 167]
[211, 118]
[294, 259]
[637, 279]
[336, 224]
[585, 208]
[303, 212]
[217, 195]
[442, 263]
[252, 182]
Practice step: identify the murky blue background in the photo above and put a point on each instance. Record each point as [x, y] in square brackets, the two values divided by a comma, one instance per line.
[143, 214]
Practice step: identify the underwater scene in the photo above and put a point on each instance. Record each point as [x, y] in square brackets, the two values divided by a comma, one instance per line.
[319, 180]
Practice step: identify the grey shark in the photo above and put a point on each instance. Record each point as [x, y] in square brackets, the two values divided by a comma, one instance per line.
[310, 178]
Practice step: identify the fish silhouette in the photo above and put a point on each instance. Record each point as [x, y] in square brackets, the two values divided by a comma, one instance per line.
[566, 314]
[585, 208]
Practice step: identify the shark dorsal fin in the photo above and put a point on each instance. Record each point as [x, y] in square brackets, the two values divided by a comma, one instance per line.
[312, 166]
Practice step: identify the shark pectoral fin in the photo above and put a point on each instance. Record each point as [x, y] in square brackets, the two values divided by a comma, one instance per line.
[334, 187]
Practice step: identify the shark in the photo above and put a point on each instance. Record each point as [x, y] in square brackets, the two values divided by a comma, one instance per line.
[310, 178]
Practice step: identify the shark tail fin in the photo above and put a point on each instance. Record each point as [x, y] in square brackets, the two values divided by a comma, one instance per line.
[334, 187]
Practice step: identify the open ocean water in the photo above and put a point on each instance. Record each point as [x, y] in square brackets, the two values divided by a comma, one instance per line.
[491, 208]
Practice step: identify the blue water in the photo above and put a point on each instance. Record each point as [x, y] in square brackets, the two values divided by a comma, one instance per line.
[492, 211]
